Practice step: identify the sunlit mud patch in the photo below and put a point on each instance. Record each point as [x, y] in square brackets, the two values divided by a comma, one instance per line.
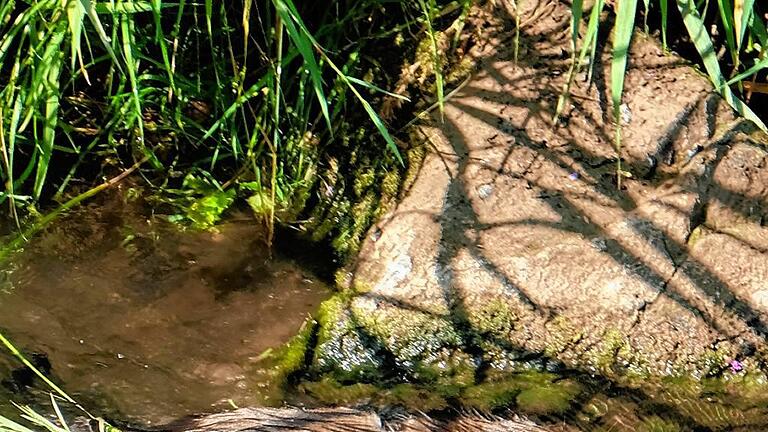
[141, 321]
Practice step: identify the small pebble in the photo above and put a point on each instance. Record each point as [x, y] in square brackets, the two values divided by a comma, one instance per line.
[484, 191]
[120, 356]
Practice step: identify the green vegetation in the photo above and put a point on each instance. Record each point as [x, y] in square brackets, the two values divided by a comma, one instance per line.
[259, 103]
[214, 101]
[746, 42]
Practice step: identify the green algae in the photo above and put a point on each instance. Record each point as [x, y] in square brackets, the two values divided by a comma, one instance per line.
[658, 424]
[613, 353]
[530, 391]
[287, 361]
[366, 349]
[490, 395]
[410, 395]
[344, 350]
[563, 335]
[428, 346]
[293, 354]
[496, 318]
[331, 391]
[415, 157]
[550, 398]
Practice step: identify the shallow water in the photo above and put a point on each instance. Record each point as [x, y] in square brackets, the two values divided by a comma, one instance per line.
[147, 323]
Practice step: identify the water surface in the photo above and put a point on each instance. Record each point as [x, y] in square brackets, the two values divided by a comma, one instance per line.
[142, 321]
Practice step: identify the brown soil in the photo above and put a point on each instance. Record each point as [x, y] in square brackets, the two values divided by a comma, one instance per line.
[514, 219]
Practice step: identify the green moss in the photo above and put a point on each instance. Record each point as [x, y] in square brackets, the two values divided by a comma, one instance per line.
[563, 334]
[613, 346]
[695, 236]
[344, 350]
[657, 424]
[331, 391]
[551, 398]
[280, 365]
[390, 184]
[342, 279]
[490, 395]
[461, 70]
[293, 354]
[534, 392]
[415, 157]
[363, 178]
[428, 346]
[411, 396]
[496, 318]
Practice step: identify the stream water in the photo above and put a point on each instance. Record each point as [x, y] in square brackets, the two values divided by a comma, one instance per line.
[144, 322]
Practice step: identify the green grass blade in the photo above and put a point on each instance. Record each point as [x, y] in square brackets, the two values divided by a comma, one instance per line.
[625, 22]
[625, 25]
[377, 121]
[587, 46]
[304, 42]
[39, 420]
[20, 25]
[698, 34]
[59, 415]
[577, 11]
[759, 31]
[277, 93]
[127, 36]
[379, 125]
[378, 89]
[726, 19]
[48, 83]
[12, 131]
[232, 109]
[646, 11]
[426, 9]
[208, 15]
[93, 16]
[742, 14]
[16, 353]
[8, 425]
[664, 11]
[760, 65]
[75, 15]
[125, 7]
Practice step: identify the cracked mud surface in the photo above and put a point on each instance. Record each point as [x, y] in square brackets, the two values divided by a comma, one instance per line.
[516, 235]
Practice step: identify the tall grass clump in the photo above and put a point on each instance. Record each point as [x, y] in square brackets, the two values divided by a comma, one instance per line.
[215, 100]
[745, 42]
